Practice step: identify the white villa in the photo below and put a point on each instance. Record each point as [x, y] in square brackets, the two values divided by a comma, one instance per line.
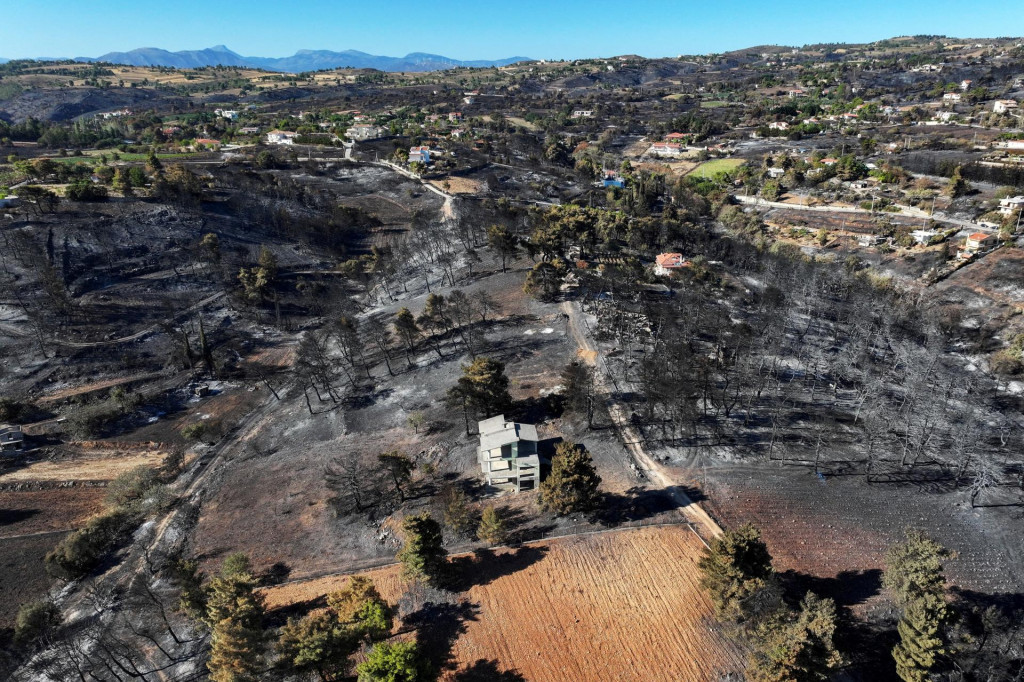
[508, 453]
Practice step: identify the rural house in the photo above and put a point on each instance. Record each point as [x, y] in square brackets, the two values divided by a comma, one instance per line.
[508, 453]
[978, 241]
[1001, 106]
[364, 131]
[11, 439]
[281, 137]
[419, 155]
[1010, 205]
[673, 149]
[667, 263]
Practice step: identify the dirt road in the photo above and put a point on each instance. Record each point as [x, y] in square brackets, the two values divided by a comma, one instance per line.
[703, 524]
[139, 334]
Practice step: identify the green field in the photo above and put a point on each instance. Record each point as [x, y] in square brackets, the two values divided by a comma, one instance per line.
[709, 168]
[714, 104]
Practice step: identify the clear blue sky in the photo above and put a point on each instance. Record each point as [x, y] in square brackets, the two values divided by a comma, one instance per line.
[482, 29]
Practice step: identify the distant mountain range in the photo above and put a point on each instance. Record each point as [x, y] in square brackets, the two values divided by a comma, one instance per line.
[303, 60]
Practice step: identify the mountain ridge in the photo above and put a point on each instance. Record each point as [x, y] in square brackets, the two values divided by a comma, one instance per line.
[302, 60]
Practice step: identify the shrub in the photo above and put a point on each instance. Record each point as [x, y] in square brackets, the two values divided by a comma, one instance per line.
[85, 190]
[34, 620]
[92, 420]
[81, 551]
[132, 486]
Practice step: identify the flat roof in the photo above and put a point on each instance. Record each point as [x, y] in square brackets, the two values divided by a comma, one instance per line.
[496, 432]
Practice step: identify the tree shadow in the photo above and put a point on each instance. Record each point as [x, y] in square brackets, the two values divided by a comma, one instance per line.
[438, 627]
[538, 409]
[9, 516]
[637, 504]
[483, 670]
[485, 565]
[847, 588]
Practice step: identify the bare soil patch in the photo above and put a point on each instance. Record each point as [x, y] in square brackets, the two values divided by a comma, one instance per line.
[629, 599]
[23, 512]
[22, 576]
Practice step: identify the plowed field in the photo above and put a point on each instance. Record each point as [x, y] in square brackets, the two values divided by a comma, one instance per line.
[611, 606]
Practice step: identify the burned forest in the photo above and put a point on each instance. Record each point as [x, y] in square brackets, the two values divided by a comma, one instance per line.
[696, 368]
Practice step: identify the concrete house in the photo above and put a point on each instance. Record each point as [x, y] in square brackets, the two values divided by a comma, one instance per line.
[281, 137]
[667, 263]
[670, 149]
[1011, 205]
[508, 453]
[419, 155]
[364, 131]
[11, 439]
[1001, 106]
[979, 241]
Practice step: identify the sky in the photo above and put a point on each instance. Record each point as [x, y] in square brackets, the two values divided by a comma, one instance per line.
[483, 29]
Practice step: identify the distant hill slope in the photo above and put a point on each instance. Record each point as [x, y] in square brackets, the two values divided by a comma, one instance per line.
[303, 60]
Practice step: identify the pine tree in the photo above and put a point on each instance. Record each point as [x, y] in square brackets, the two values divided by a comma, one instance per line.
[399, 468]
[914, 575]
[423, 556]
[492, 529]
[400, 662]
[957, 186]
[736, 570]
[483, 388]
[914, 567]
[578, 380]
[921, 637]
[407, 330]
[360, 607]
[234, 613]
[323, 642]
[572, 485]
[796, 647]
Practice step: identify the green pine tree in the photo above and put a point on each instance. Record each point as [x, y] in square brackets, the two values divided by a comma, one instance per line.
[736, 570]
[796, 646]
[423, 557]
[921, 643]
[492, 529]
[573, 484]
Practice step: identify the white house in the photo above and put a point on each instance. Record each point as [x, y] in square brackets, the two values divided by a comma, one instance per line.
[229, 114]
[363, 131]
[583, 113]
[1011, 205]
[419, 155]
[1001, 106]
[671, 149]
[778, 125]
[508, 453]
[281, 137]
[952, 97]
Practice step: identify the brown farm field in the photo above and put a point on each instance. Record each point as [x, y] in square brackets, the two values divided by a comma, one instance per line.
[629, 599]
